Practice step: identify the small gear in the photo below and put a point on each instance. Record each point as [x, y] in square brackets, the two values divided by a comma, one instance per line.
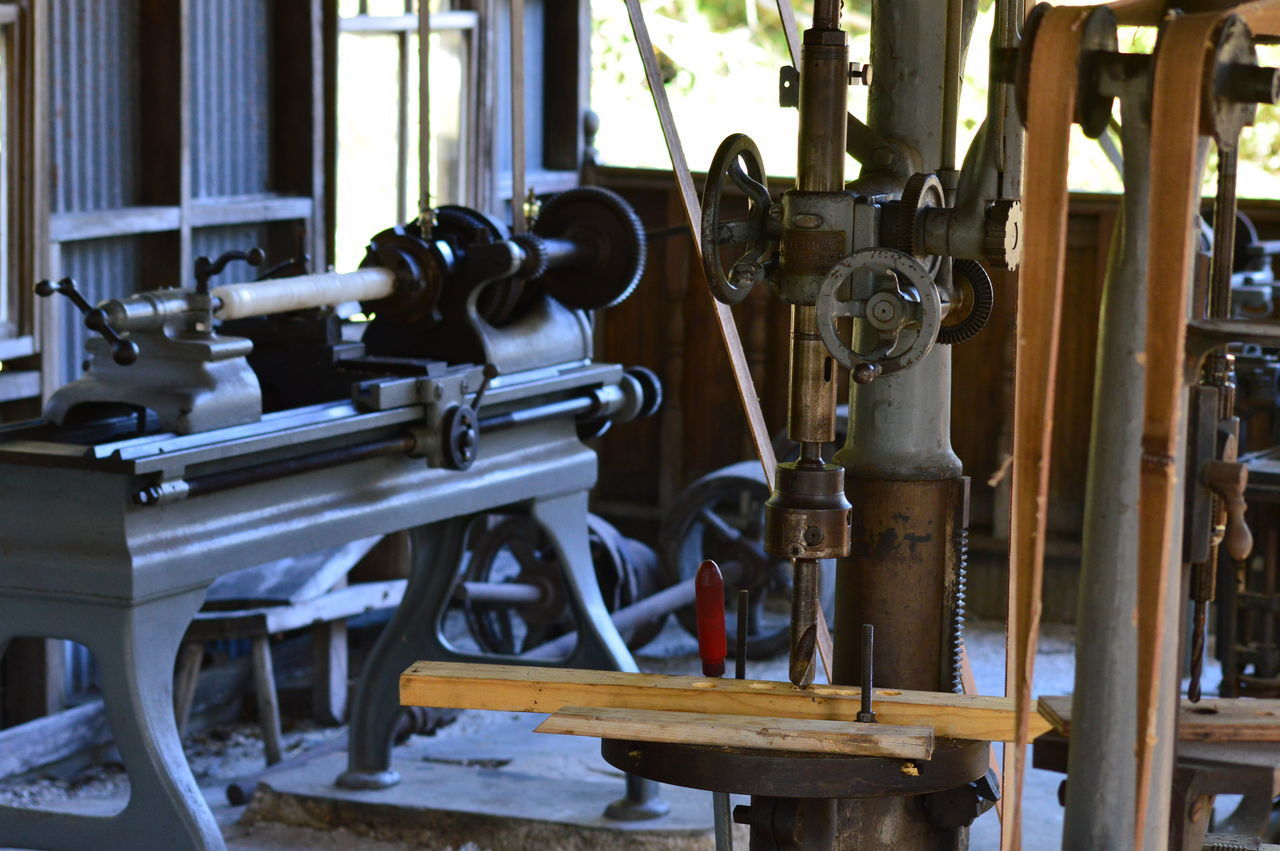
[1003, 239]
[535, 255]
[979, 298]
[920, 192]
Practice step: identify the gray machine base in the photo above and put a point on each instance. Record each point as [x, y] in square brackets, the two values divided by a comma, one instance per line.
[135, 647]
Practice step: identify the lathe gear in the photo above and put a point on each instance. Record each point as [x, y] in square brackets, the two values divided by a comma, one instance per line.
[612, 239]
[975, 298]
[463, 227]
[535, 255]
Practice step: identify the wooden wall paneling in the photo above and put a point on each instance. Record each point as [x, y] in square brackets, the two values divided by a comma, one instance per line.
[981, 399]
[1085, 270]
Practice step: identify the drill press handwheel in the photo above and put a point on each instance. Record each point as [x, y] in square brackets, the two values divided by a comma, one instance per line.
[893, 296]
[737, 160]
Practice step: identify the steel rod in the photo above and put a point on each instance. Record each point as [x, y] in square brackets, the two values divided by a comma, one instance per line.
[424, 119]
[512, 593]
[517, 117]
[1100, 810]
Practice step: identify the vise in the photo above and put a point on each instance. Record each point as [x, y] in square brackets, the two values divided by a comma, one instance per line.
[219, 427]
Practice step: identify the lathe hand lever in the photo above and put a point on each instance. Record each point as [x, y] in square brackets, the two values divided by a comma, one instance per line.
[1228, 480]
[123, 352]
[206, 268]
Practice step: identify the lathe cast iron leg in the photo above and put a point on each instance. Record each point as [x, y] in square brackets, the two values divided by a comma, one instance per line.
[412, 635]
[134, 648]
[564, 519]
[416, 633]
[599, 645]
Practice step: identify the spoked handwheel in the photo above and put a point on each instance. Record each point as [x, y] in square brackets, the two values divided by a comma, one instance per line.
[518, 598]
[737, 162]
[721, 517]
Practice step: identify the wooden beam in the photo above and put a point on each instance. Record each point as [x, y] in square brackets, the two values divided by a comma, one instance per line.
[1210, 720]
[34, 675]
[207, 212]
[806, 735]
[99, 224]
[512, 688]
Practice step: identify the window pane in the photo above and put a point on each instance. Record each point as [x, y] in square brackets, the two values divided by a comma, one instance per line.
[449, 82]
[370, 157]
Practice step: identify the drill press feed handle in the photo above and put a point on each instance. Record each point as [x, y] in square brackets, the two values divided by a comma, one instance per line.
[737, 160]
[889, 293]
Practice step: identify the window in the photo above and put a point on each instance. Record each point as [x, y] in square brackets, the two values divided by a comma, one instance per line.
[377, 167]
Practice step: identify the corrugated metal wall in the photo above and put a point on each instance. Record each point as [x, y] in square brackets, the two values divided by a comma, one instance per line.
[94, 110]
[210, 242]
[230, 97]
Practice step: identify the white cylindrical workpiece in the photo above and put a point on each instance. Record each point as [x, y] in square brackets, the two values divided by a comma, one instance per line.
[279, 295]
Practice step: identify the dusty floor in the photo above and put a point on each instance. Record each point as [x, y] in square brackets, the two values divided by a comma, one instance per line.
[225, 753]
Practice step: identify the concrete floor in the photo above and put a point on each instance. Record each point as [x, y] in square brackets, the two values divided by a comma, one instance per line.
[548, 791]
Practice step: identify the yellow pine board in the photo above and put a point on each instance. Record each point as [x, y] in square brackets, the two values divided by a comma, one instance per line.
[512, 688]
[805, 735]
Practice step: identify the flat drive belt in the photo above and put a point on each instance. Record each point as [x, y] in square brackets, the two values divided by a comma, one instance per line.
[1050, 107]
[1183, 59]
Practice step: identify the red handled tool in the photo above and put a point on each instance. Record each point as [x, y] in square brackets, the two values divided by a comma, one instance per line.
[712, 644]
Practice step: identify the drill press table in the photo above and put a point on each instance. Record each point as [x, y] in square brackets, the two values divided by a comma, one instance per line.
[111, 541]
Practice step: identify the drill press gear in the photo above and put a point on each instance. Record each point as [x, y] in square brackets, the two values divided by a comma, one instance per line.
[974, 299]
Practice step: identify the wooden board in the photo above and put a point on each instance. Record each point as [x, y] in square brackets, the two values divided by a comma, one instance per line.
[1210, 720]
[512, 688]
[806, 735]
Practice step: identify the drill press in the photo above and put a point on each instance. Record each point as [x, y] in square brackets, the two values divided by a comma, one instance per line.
[876, 274]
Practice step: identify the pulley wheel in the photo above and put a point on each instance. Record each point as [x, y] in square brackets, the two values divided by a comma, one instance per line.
[611, 249]
[515, 549]
[463, 227]
[721, 517]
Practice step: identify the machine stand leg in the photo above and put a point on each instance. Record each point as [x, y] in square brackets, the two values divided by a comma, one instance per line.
[134, 647]
[411, 635]
[641, 802]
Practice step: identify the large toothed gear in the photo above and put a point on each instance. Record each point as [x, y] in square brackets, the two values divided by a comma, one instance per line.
[922, 191]
[1003, 242]
[611, 240]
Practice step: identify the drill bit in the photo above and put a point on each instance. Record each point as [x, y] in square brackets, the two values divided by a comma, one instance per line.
[804, 621]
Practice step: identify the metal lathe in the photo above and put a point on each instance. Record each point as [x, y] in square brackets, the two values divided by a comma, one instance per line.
[220, 426]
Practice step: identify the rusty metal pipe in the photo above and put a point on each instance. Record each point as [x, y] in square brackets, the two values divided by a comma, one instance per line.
[826, 14]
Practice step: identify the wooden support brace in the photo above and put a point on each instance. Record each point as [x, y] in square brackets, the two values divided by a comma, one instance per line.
[806, 735]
